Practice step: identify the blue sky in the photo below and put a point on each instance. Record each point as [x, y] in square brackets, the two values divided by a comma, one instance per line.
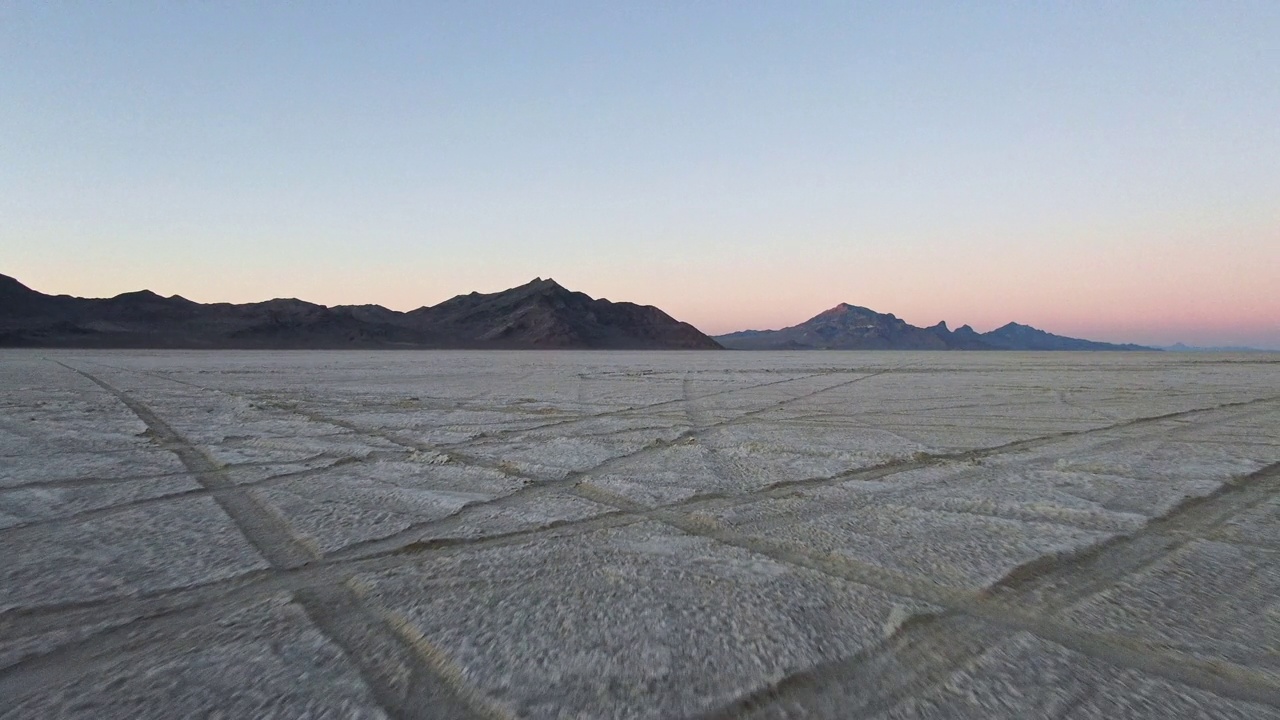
[1099, 169]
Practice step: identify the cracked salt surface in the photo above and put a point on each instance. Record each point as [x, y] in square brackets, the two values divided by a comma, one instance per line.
[1027, 677]
[567, 534]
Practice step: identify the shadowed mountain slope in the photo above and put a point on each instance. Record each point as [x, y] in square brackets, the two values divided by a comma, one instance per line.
[544, 314]
[540, 314]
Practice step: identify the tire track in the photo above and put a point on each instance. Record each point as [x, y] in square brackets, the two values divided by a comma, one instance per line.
[315, 573]
[401, 542]
[542, 486]
[188, 604]
[326, 572]
[177, 608]
[32, 530]
[95, 480]
[786, 488]
[712, 459]
[927, 459]
[1065, 400]
[360, 555]
[539, 485]
[545, 486]
[292, 408]
[1056, 583]
[392, 668]
[928, 651]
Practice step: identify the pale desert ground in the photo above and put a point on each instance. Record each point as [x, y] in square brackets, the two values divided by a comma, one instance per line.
[639, 535]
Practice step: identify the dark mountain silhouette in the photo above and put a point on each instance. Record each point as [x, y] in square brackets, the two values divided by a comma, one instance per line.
[849, 327]
[540, 314]
[544, 314]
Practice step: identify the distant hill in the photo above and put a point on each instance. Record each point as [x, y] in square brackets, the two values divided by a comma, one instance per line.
[1180, 347]
[843, 327]
[539, 314]
[849, 327]
[1024, 337]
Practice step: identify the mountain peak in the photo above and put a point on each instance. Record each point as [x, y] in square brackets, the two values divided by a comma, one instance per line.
[138, 295]
[1015, 326]
[548, 283]
[846, 309]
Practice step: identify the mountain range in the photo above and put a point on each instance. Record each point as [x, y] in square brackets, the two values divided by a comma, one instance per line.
[850, 327]
[538, 314]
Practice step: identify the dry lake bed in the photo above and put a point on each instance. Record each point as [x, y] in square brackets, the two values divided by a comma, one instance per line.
[639, 535]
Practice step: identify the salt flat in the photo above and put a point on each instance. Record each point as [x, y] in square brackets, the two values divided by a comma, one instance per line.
[639, 535]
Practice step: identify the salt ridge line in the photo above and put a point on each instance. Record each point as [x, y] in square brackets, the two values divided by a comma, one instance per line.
[722, 500]
[1219, 677]
[452, 449]
[336, 609]
[95, 480]
[1027, 599]
[502, 433]
[362, 553]
[370, 566]
[395, 438]
[20, 530]
[24, 530]
[179, 608]
[545, 486]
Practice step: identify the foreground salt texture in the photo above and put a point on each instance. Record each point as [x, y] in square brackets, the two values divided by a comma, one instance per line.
[930, 535]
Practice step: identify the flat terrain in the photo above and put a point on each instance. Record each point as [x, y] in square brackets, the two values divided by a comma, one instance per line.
[657, 535]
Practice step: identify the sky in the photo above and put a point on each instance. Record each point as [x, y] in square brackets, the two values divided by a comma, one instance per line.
[1096, 169]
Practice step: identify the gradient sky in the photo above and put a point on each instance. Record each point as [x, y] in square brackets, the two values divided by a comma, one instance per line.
[1105, 170]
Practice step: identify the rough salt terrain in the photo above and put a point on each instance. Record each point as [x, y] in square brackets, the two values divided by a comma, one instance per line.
[639, 535]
